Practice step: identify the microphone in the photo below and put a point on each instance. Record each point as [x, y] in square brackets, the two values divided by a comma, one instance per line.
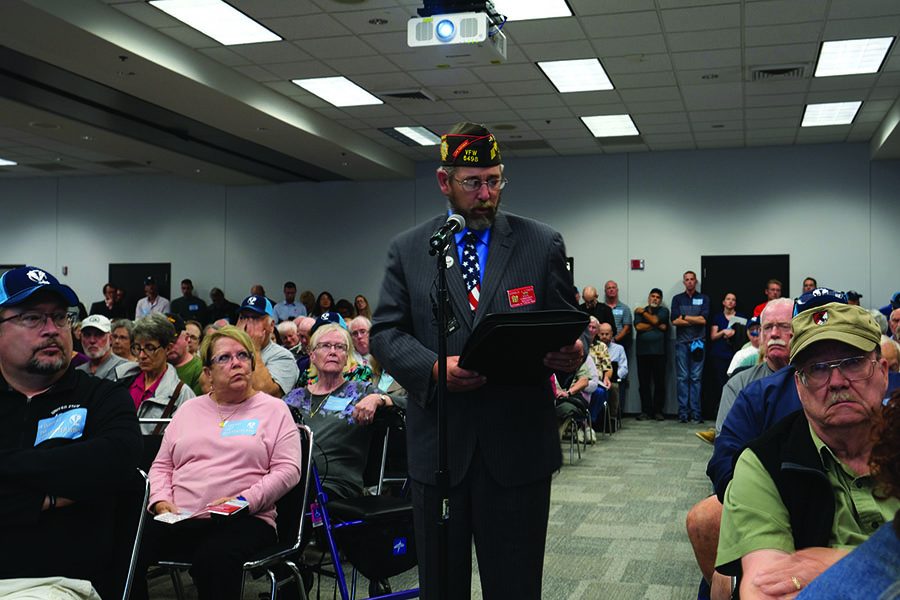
[441, 238]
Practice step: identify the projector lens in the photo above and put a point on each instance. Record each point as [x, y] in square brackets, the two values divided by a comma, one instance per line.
[445, 30]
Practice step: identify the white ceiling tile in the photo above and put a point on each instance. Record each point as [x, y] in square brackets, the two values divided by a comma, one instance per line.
[637, 63]
[776, 87]
[774, 112]
[859, 83]
[712, 59]
[652, 107]
[262, 9]
[720, 143]
[774, 100]
[770, 141]
[477, 104]
[307, 27]
[769, 124]
[622, 148]
[190, 37]
[885, 93]
[147, 14]
[358, 21]
[702, 17]
[336, 47]
[876, 106]
[710, 76]
[649, 94]
[225, 56]
[389, 43]
[718, 126]
[781, 55]
[479, 90]
[575, 144]
[271, 52]
[425, 108]
[559, 50]
[372, 111]
[302, 70]
[842, 29]
[715, 96]
[773, 35]
[624, 24]
[533, 101]
[445, 77]
[661, 119]
[257, 73]
[624, 46]
[772, 132]
[704, 116]
[520, 88]
[387, 81]
[543, 30]
[341, 6]
[552, 112]
[832, 96]
[832, 133]
[361, 65]
[736, 137]
[593, 7]
[848, 9]
[777, 12]
[680, 127]
[704, 40]
[591, 98]
[639, 80]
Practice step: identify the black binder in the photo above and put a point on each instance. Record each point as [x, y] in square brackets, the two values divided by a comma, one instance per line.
[509, 348]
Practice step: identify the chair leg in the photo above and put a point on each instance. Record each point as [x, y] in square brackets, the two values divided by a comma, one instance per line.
[175, 574]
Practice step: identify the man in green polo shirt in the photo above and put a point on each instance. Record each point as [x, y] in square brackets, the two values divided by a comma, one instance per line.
[801, 496]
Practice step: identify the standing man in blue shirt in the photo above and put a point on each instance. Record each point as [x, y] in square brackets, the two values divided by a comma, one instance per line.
[690, 310]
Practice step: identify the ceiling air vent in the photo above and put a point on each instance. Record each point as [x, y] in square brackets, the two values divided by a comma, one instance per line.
[777, 73]
[412, 94]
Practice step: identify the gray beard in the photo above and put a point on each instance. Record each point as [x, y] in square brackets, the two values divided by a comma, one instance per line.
[36, 367]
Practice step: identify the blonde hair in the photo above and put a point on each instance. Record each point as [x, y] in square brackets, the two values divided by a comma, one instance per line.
[322, 330]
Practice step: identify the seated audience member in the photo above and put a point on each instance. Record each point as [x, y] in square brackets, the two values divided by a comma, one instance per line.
[275, 373]
[95, 338]
[289, 308]
[69, 444]
[599, 355]
[359, 331]
[882, 322]
[362, 307]
[873, 569]
[304, 331]
[109, 307]
[651, 323]
[809, 284]
[120, 338]
[324, 303]
[152, 302]
[749, 354]
[257, 290]
[853, 297]
[894, 324]
[189, 307]
[616, 355]
[308, 299]
[345, 309]
[156, 390]
[287, 331]
[234, 443]
[186, 363]
[890, 350]
[338, 412]
[772, 292]
[802, 494]
[893, 305]
[703, 519]
[221, 308]
[575, 400]
[594, 308]
[194, 335]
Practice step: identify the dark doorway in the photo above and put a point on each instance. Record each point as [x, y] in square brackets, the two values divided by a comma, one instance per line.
[745, 276]
[130, 277]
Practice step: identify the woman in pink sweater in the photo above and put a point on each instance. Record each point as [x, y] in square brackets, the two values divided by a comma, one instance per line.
[232, 444]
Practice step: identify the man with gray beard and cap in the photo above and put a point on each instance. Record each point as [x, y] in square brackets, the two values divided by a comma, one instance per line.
[95, 339]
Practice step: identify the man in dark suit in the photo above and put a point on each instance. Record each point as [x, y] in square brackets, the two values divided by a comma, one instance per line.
[108, 307]
[503, 441]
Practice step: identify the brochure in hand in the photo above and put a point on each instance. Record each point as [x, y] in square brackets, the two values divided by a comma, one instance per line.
[224, 510]
[509, 348]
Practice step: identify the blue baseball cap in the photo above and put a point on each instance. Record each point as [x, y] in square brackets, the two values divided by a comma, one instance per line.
[259, 304]
[751, 323]
[818, 297]
[328, 318]
[17, 285]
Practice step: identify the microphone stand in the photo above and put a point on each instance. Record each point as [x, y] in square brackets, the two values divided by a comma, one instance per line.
[442, 475]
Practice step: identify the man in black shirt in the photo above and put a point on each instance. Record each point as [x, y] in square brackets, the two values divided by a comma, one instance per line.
[591, 306]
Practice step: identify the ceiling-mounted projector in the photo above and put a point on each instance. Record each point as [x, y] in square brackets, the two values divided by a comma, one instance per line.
[458, 39]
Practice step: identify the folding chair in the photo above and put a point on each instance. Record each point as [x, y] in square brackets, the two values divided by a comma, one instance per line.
[128, 528]
[375, 533]
[279, 561]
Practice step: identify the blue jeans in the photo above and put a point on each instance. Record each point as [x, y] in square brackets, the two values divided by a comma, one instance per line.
[688, 374]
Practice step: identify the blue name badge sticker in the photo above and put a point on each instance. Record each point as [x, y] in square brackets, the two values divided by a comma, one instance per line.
[336, 404]
[618, 312]
[235, 428]
[385, 382]
[698, 301]
[68, 425]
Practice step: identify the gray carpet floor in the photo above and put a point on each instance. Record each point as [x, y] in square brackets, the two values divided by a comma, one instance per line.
[616, 529]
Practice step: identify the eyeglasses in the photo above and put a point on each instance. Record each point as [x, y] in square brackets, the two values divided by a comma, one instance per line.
[225, 359]
[34, 320]
[473, 184]
[328, 346]
[782, 327]
[359, 332]
[150, 350]
[854, 368]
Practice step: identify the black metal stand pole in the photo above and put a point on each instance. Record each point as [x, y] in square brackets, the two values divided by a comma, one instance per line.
[442, 475]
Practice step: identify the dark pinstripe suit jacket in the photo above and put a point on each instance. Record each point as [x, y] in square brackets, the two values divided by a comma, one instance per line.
[514, 426]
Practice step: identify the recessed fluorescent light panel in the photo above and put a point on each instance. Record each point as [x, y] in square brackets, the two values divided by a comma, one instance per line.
[522, 10]
[830, 113]
[611, 125]
[338, 91]
[852, 57]
[420, 135]
[217, 19]
[7, 163]
[582, 75]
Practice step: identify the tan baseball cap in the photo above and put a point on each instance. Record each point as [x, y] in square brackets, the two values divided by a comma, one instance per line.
[836, 321]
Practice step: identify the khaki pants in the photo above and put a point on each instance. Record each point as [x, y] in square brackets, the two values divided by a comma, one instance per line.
[47, 588]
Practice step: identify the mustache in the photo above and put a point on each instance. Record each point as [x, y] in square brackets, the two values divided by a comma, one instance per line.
[51, 343]
[838, 397]
[771, 343]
